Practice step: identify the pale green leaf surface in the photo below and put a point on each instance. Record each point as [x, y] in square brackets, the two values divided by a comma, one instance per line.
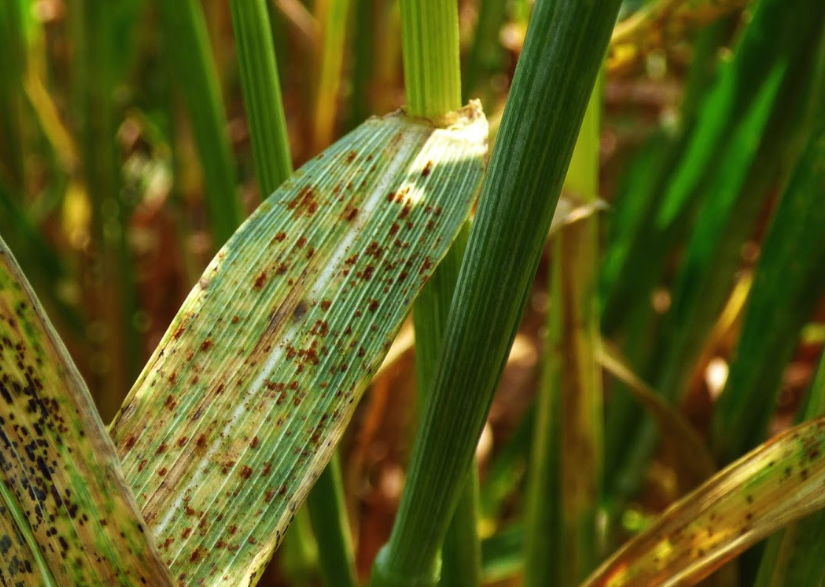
[241, 405]
[776, 484]
[67, 516]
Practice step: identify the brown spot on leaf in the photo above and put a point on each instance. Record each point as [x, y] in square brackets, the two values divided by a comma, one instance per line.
[304, 202]
[428, 263]
[350, 212]
[260, 281]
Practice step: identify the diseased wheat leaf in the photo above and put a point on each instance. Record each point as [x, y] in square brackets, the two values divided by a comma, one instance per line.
[66, 516]
[779, 482]
[241, 405]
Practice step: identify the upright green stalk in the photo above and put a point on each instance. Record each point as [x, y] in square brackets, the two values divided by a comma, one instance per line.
[433, 85]
[461, 551]
[193, 67]
[564, 48]
[432, 73]
[544, 548]
[569, 439]
[486, 49]
[363, 67]
[262, 93]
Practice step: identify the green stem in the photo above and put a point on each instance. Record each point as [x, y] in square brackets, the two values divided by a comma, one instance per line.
[461, 551]
[432, 72]
[112, 279]
[363, 67]
[193, 67]
[433, 85]
[262, 93]
[564, 48]
[328, 513]
[13, 65]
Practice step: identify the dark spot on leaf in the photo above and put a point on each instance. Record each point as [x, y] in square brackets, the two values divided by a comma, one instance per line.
[304, 202]
[260, 281]
[350, 212]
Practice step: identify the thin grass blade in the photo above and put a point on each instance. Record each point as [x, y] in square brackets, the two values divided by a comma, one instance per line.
[192, 66]
[787, 284]
[262, 93]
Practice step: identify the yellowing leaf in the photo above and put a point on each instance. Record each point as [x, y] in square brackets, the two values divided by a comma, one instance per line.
[66, 517]
[779, 482]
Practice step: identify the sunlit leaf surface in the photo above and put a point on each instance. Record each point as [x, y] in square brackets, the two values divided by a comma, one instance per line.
[242, 403]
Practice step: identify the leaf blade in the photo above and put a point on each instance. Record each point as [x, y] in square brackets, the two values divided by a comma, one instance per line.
[77, 523]
[310, 291]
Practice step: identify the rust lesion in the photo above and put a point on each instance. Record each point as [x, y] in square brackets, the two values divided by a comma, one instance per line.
[305, 203]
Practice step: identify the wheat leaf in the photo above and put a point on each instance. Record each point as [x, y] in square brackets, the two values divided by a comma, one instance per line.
[66, 516]
[241, 405]
[779, 482]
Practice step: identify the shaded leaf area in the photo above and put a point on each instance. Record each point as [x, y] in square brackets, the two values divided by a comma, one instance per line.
[240, 407]
[774, 485]
[787, 285]
[67, 516]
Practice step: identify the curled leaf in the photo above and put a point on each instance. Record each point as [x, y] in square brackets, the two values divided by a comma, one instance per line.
[779, 482]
